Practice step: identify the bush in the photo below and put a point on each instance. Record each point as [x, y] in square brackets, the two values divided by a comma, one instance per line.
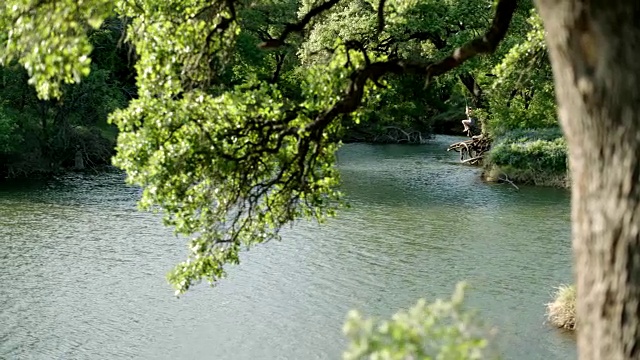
[562, 311]
[440, 330]
[547, 134]
[532, 156]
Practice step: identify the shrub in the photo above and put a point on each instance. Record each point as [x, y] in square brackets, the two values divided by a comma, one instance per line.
[562, 311]
[440, 330]
[531, 155]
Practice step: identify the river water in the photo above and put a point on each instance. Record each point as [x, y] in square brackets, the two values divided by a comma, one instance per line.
[82, 272]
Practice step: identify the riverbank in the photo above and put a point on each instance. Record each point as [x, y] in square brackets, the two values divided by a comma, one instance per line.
[531, 156]
[494, 173]
[83, 149]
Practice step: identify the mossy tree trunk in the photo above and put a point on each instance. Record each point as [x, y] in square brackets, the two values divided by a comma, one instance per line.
[594, 48]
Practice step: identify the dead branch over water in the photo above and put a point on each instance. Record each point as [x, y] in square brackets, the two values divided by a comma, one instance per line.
[472, 151]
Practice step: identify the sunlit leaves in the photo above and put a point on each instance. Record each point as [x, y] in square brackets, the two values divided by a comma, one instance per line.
[49, 39]
[180, 44]
[442, 330]
[230, 167]
[353, 20]
[522, 94]
[228, 140]
[228, 170]
[525, 53]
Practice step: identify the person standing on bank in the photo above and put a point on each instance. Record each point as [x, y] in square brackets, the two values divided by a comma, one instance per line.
[469, 122]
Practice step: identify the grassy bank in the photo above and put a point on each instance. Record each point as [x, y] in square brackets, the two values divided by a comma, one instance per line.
[562, 311]
[537, 157]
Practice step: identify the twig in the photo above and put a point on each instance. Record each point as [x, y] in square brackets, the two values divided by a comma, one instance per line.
[506, 179]
[472, 159]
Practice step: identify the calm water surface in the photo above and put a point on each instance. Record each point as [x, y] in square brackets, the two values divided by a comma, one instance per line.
[82, 272]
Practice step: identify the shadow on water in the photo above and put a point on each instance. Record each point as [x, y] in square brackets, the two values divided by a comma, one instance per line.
[82, 271]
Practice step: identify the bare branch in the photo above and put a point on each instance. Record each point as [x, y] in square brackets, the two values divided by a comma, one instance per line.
[381, 16]
[279, 64]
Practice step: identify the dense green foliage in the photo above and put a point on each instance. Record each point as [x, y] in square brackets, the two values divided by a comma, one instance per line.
[49, 38]
[529, 146]
[530, 154]
[42, 136]
[521, 95]
[439, 330]
[232, 141]
[405, 103]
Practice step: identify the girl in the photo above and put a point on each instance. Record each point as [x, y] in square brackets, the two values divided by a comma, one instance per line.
[468, 122]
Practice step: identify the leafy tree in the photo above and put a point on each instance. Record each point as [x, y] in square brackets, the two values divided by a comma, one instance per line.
[43, 136]
[62, 56]
[438, 330]
[231, 166]
[521, 95]
[258, 23]
[230, 163]
[426, 30]
[520, 118]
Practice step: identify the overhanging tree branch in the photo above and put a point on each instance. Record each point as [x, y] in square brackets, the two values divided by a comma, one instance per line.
[299, 26]
[374, 71]
[481, 45]
[270, 165]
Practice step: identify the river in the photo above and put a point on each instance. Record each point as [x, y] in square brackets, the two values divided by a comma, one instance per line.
[82, 271]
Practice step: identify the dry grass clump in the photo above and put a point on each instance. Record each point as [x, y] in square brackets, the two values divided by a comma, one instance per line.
[562, 311]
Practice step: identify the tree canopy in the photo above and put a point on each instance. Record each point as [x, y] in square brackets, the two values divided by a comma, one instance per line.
[240, 106]
[231, 152]
[40, 137]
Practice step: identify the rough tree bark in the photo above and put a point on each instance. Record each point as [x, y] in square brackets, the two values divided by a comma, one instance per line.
[594, 47]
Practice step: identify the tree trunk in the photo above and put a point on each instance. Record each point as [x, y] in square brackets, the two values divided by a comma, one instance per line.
[594, 47]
